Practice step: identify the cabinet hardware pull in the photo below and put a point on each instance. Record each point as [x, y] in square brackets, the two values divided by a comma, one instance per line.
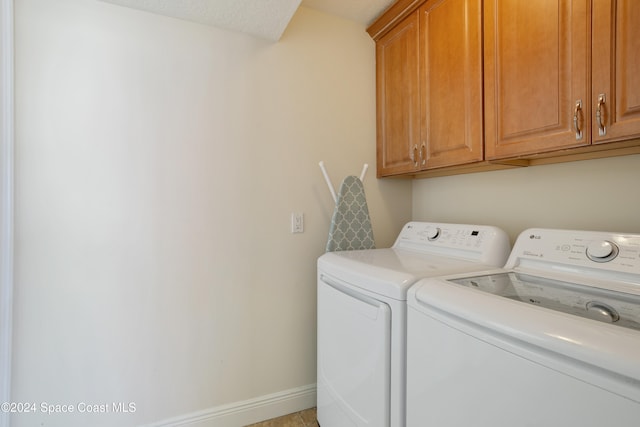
[576, 125]
[414, 155]
[423, 149]
[602, 130]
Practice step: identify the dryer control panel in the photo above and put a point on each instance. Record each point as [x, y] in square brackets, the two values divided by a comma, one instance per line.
[481, 243]
[577, 250]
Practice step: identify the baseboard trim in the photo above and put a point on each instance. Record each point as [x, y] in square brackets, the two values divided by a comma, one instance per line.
[247, 411]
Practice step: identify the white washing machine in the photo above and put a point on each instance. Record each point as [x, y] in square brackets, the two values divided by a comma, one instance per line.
[362, 316]
[551, 339]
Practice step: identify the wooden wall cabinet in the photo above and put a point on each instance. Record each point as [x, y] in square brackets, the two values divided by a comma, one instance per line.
[615, 68]
[560, 74]
[429, 88]
[475, 85]
[397, 99]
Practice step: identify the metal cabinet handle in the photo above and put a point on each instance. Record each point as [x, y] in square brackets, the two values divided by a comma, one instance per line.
[414, 155]
[576, 124]
[423, 154]
[602, 130]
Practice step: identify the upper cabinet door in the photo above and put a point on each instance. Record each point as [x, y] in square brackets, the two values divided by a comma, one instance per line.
[536, 76]
[451, 83]
[615, 97]
[398, 121]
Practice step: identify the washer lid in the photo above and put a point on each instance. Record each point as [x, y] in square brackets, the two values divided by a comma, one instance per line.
[618, 308]
[390, 272]
[596, 352]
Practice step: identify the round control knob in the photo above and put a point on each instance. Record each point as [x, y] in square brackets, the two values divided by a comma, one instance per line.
[602, 251]
[433, 233]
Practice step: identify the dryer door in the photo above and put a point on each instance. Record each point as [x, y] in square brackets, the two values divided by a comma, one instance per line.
[354, 350]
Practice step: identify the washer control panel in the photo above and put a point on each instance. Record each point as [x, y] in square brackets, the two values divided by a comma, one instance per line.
[600, 250]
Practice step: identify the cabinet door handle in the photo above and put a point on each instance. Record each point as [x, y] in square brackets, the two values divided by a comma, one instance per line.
[576, 123]
[414, 155]
[423, 154]
[602, 130]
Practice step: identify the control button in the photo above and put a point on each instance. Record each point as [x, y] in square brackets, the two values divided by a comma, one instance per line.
[433, 233]
[602, 251]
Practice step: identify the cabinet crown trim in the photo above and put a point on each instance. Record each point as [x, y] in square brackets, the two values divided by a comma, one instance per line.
[390, 17]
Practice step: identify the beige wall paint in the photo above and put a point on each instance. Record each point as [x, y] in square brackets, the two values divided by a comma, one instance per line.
[157, 164]
[587, 195]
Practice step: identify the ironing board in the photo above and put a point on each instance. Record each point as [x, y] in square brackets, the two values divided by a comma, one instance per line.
[350, 225]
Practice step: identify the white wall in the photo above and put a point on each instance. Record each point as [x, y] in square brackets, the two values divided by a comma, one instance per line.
[586, 195]
[157, 164]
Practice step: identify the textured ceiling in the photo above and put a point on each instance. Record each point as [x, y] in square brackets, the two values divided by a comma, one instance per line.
[362, 11]
[261, 18]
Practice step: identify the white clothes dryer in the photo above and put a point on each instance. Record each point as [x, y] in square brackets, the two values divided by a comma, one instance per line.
[551, 339]
[362, 316]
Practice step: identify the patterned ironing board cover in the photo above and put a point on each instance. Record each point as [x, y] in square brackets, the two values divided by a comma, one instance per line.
[350, 226]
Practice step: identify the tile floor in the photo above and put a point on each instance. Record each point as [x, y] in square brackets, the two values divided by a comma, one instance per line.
[306, 418]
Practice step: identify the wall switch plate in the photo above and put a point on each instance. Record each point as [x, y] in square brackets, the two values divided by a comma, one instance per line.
[297, 222]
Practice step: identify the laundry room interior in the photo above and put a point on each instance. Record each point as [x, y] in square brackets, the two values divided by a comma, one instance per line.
[149, 181]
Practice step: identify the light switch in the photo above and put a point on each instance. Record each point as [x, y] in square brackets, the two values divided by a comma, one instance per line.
[297, 222]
